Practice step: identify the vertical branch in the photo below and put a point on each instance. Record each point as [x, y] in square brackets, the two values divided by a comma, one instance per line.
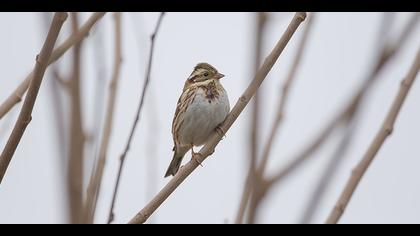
[137, 118]
[259, 184]
[77, 136]
[25, 115]
[261, 19]
[261, 22]
[99, 93]
[96, 178]
[211, 144]
[59, 118]
[16, 96]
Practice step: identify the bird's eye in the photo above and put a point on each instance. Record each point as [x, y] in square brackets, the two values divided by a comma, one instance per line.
[206, 74]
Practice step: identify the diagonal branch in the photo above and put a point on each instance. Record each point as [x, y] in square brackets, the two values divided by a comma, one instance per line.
[18, 93]
[378, 141]
[25, 115]
[136, 120]
[96, 178]
[209, 147]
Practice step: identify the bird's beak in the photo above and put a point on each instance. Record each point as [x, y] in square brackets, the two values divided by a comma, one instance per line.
[220, 75]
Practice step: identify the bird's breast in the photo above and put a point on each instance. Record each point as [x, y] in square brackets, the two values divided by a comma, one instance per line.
[208, 108]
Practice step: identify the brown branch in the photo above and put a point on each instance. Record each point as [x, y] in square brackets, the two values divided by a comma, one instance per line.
[77, 136]
[261, 19]
[18, 93]
[25, 115]
[96, 178]
[57, 111]
[255, 119]
[209, 147]
[99, 97]
[277, 122]
[137, 118]
[384, 132]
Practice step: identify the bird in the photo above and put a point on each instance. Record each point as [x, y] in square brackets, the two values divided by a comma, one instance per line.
[201, 108]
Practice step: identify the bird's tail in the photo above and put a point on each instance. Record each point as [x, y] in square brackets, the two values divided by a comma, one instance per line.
[175, 163]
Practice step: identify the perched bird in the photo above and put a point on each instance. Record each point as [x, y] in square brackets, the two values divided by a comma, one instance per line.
[203, 105]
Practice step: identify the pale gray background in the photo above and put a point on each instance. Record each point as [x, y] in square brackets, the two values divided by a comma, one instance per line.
[338, 55]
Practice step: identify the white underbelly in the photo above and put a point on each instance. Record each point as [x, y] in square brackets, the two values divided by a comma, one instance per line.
[201, 118]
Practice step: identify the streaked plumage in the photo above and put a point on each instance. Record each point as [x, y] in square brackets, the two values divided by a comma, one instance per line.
[203, 105]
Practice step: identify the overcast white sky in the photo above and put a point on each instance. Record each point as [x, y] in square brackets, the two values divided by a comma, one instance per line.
[339, 53]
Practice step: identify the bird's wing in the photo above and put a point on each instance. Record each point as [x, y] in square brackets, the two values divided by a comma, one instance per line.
[186, 98]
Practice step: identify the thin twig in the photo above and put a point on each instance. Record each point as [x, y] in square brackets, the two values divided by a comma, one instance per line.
[256, 110]
[137, 118]
[384, 132]
[98, 104]
[77, 135]
[350, 126]
[18, 93]
[59, 119]
[96, 177]
[261, 19]
[25, 115]
[209, 147]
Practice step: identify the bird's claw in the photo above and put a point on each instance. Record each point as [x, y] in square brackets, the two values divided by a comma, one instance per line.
[220, 131]
[195, 156]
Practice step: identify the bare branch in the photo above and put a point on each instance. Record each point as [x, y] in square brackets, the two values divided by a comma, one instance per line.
[261, 19]
[385, 131]
[209, 147]
[25, 115]
[18, 93]
[77, 135]
[96, 178]
[137, 118]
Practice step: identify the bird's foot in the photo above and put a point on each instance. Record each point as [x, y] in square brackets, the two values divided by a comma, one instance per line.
[196, 156]
[220, 131]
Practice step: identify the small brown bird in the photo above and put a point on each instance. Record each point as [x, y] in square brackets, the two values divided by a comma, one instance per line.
[203, 105]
